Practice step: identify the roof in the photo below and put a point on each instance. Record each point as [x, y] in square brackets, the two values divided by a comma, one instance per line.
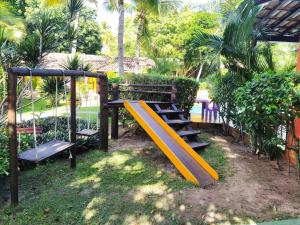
[280, 20]
[98, 62]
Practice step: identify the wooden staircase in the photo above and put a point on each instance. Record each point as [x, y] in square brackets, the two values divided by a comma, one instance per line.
[174, 118]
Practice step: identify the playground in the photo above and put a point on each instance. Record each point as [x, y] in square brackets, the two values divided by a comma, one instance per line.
[134, 183]
[188, 114]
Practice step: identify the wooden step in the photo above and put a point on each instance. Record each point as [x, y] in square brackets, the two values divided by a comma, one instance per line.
[178, 122]
[198, 144]
[183, 133]
[169, 111]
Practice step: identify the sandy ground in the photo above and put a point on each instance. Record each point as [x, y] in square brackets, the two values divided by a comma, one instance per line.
[254, 188]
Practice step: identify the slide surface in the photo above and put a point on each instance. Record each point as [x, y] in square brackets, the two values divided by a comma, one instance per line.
[192, 166]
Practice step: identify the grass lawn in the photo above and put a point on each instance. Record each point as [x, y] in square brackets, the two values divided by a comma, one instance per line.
[87, 113]
[122, 187]
[39, 106]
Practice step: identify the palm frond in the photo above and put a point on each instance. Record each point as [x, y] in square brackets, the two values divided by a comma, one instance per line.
[76, 63]
[203, 39]
[74, 6]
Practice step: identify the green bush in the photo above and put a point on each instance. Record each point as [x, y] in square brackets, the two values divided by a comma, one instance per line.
[186, 88]
[223, 94]
[264, 104]
[4, 155]
[186, 91]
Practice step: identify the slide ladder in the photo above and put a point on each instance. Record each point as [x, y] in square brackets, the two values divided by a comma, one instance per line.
[189, 163]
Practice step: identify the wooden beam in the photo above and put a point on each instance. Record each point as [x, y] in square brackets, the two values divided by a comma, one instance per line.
[73, 122]
[52, 72]
[146, 85]
[12, 138]
[287, 29]
[148, 92]
[258, 2]
[174, 93]
[103, 84]
[115, 113]
[280, 39]
[279, 21]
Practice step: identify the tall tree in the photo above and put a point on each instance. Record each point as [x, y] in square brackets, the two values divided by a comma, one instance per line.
[239, 43]
[119, 6]
[121, 11]
[44, 24]
[144, 9]
[74, 7]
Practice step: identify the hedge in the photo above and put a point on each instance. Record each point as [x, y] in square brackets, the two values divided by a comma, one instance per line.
[186, 88]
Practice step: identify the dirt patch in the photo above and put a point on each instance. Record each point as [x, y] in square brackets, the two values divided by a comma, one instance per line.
[256, 188]
[130, 140]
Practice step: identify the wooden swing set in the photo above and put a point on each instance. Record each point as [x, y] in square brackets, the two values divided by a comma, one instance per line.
[46, 150]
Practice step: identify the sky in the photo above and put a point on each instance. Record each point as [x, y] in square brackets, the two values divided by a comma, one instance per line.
[111, 18]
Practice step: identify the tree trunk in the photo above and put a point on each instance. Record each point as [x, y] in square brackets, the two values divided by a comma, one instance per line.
[41, 46]
[74, 25]
[121, 38]
[138, 46]
[200, 72]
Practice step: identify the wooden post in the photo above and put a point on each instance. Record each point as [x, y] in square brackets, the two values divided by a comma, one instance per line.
[12, 138]
[73, 122]
[115, 113]
[174, 92]
[103, 84]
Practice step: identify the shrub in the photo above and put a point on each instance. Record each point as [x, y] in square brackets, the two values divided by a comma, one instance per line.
[223, 94]
[264, 104]
[49, 88]
[4, 154]
[186, 88]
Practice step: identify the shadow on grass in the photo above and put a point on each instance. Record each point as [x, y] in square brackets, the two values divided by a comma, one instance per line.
[122, 187]
[106, 188]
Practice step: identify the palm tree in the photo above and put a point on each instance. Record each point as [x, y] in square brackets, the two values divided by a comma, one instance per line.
[239, 43]
[76, 63]
[120, 7]
[44, 26]
[146, 8]
[74, 8]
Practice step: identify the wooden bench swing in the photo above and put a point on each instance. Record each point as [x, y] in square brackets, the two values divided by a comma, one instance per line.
[53, 147]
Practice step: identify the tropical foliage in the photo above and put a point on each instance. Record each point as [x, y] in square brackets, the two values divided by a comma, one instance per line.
[238, 45]
[265, 105]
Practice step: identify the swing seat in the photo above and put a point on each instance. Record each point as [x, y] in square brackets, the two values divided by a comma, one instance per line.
[87, 132]
[29, 130]
[45, 151]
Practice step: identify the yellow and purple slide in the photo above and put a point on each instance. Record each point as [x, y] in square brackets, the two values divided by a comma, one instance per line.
[191, 165]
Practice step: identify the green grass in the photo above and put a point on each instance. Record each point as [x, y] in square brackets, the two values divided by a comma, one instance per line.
[39, 106]
[93, 113]
[124, 187]
[106, 188]
[217, 158]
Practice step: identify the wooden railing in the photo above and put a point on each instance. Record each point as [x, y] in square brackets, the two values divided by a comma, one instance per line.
[156, 92]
